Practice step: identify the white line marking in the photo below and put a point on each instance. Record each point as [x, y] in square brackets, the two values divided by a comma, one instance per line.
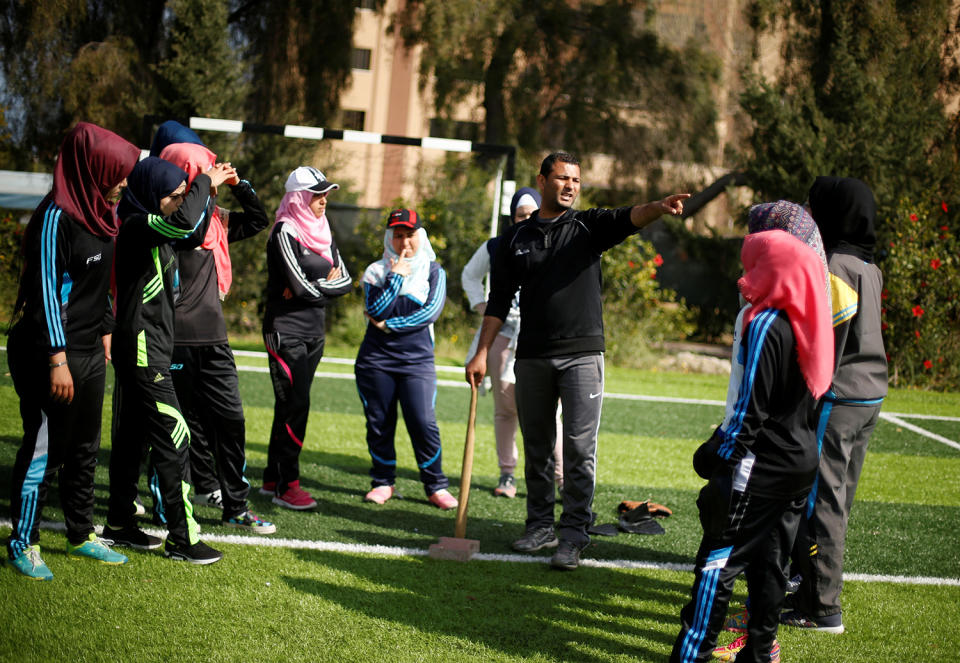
[398, 551]
[889, 416]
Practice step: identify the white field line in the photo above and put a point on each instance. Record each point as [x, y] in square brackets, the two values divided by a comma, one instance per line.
[398, 551]
[896, 418]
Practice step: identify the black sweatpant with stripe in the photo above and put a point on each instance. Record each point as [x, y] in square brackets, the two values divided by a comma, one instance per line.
[59, 440]
[148, 416]
[208, 390]
[293, 361]
[753, 536]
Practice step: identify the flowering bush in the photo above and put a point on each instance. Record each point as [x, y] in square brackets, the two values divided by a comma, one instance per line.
[918, 253]
[637, 311]
[11, 241]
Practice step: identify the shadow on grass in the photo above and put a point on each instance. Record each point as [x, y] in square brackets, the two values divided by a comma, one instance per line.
[520, 610]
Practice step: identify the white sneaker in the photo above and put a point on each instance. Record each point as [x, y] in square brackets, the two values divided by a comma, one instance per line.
[214, 499]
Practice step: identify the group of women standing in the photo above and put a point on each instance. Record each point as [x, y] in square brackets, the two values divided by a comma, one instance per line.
[150, 233]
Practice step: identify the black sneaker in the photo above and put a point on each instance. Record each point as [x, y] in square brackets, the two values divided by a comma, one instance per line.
[130, 537]
[536, 539]
[198, 553]
[826, 624]
[567, 557]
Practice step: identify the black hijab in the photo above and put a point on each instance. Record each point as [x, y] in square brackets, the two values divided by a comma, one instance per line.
[151, 180]
[845, 211]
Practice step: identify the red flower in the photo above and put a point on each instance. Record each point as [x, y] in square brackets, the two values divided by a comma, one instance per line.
[927, 364]
[944, 228]
[913, 217]
[653, 275]
[884, 326]
[917, 311]
[631, 264]
[892, 245]
[658, 260]
[943, 205]
[923, 284]
[939, 360]
[884, 294]
[917, 333]
[935, 263]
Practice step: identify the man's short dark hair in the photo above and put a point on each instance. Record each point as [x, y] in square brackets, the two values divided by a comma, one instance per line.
[547, 166]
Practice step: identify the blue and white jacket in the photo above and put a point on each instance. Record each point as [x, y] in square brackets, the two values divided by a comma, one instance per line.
[407, 346]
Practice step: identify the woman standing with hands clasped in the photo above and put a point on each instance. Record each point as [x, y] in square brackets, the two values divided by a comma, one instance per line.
[58, 350]
[404, 294]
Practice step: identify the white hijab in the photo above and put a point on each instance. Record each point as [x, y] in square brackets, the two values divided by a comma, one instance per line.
[416, 285]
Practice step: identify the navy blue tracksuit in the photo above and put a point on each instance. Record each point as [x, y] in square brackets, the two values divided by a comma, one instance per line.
[397, 367]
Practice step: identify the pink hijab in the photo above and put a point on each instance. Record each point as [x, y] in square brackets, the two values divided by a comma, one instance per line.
[313, 232]
[196, 159]
[784, 273]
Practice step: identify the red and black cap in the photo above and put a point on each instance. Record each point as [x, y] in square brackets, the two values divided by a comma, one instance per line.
[406, 218]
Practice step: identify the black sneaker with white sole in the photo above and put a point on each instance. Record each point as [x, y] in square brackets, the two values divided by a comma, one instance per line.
[130, 537]
[198, 553]
[536, 539]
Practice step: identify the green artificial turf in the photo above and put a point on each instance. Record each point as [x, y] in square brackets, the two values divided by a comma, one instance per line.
[290, 604]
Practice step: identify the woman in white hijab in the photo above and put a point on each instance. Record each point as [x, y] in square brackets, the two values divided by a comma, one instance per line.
[404, 294]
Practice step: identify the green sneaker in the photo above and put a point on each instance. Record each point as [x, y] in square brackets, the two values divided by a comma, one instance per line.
[30, 564]
[95, 548]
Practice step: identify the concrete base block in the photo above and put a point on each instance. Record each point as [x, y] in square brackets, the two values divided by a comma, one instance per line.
[460, 550]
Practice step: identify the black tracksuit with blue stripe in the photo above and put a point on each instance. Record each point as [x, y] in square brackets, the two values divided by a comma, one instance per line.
[146, 409]
[760, 469]
[64, 292]
[397, 366]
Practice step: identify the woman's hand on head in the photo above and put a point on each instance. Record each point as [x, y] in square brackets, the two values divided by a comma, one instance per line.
[220, 173]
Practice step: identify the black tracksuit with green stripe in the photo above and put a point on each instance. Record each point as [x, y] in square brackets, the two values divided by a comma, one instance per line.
[146, 410]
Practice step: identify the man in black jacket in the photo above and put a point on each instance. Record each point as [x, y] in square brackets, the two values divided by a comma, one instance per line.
[553, 258]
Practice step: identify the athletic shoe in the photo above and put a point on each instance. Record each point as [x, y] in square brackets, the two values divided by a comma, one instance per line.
[442, 499]
[139, 509]
[214, 499]
[95, 548]
[536, 539]
[30, 564]
[379, 494]
[269, 488]
[794, 583]
[828, 624]
[198, 553]
[567, 557]
[737, 622]
[248, 520]
[507, 487]
[295, 498]
[130, 537]
[729, 652]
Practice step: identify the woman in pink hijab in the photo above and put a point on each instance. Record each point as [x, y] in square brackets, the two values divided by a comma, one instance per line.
[203, 368]
[304, 271]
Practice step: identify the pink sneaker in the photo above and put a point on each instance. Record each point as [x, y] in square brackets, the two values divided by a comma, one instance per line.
[268, 488]
[295, 498]
[442, 499]
[379, 495]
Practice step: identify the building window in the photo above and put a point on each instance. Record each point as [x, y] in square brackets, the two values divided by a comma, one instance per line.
[353, 119]
[360, 58]
[441, 128]
[366, 4]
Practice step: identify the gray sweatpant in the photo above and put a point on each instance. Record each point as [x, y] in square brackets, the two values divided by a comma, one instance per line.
[823, 533]
[578, 384]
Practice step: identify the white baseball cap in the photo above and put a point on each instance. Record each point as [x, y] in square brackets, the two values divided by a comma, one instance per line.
[308, 178]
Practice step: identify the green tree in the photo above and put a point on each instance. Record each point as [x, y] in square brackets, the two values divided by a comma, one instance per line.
[858, 96]
[588, 77]
[67, 60]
